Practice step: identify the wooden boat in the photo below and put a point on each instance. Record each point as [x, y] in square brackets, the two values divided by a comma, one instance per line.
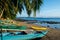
[28, 36]
[19, 35]
[39, 28]
[33, 35]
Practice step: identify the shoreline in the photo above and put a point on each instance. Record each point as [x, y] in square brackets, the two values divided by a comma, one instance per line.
[53, 34]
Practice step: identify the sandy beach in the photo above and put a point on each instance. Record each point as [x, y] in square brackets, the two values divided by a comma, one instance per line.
[53, 34]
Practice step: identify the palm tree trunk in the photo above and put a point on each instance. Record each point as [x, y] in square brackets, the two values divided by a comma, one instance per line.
[1, 13]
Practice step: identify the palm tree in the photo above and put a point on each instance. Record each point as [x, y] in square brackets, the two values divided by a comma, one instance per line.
[27, 5]
[32, 5]
[36, 6]
[9, 8]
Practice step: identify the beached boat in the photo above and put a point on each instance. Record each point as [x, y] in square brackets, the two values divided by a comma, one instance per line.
[39, 28]
[22, 36]
[8, 36]
[18, 35]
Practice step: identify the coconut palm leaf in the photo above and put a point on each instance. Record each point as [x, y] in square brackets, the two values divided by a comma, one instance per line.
[36, 5]
[9, 8]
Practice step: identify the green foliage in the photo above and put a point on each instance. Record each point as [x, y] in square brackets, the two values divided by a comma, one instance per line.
[36, 5]
[9, 8]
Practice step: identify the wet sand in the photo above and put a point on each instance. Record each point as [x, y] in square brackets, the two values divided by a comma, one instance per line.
[53, 34]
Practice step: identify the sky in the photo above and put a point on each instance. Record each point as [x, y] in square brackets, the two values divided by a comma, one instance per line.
[49, 8]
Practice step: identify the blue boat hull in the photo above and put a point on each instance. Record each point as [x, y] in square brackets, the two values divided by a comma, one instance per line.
[24, 37]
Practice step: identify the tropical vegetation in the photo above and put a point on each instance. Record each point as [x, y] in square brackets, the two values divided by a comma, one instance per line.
[9, 8]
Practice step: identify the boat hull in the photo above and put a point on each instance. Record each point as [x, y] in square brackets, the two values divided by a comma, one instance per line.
[24, 37]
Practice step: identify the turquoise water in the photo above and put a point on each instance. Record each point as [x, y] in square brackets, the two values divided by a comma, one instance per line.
[40, 19]
[44, 19]
[24, 37]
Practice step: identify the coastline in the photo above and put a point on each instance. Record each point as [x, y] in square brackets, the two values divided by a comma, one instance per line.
[53, 34]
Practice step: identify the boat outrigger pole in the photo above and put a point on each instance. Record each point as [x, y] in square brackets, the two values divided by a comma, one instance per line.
[1, 33]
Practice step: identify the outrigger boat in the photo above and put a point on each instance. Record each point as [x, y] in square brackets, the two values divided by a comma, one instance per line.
[39, 28]
[19, 32]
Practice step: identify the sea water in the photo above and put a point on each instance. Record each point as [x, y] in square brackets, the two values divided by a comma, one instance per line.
[40, 19]
[57, 26]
